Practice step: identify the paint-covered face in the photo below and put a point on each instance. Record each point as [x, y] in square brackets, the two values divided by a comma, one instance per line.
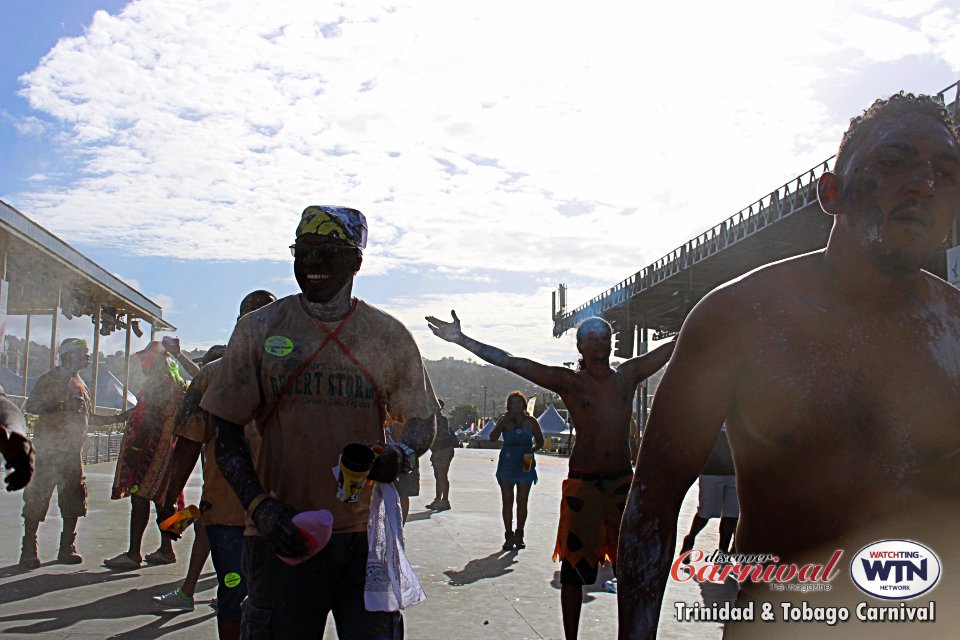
[594, 341]
[902, 190]
[323, 265]
[76, 358]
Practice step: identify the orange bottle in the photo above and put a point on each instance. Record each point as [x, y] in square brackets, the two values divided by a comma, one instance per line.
[181, 520]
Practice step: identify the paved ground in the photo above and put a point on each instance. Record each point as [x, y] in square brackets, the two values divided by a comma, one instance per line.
[474, 589]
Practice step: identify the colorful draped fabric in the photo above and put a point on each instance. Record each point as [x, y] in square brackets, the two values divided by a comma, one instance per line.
[146, 452]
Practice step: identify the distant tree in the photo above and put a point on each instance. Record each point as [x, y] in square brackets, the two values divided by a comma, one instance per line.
[462, 415]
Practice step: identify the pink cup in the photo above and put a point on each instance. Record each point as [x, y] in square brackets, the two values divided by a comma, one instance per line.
[316, 527]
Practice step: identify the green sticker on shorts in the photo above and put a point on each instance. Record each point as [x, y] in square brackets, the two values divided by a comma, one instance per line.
[278, 345]
[231, 579]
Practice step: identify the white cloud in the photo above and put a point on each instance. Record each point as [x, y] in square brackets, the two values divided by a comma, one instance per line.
[516, 322]
[529, 137]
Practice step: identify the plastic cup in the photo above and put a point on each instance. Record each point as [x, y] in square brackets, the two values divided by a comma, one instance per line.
[355, 464]
[527, 462]
[316, 527]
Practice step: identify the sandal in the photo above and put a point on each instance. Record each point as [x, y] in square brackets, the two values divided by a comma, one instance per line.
[159, 558]
[122, 561]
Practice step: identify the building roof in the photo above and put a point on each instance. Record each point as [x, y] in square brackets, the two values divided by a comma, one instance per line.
[37, 261]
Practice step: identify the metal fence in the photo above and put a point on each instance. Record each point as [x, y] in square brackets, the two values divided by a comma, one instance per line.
[101, 447]
[779, 203]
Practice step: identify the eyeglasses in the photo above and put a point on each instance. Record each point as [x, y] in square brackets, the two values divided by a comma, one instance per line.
[322, 251]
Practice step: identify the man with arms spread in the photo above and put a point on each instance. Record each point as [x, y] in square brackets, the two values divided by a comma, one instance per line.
[61, 401]
[600, 400]
[838, 375]
[317, 371]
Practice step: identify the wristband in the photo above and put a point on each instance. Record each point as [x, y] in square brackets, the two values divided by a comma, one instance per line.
[256, 502]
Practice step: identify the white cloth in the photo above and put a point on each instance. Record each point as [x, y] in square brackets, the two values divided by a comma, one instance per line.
[391, 584]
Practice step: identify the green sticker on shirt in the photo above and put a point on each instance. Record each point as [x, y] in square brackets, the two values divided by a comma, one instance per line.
[278, 345]
[231, 579]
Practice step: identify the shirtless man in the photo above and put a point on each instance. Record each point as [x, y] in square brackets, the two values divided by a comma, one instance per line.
[838, 374]
[600, 400]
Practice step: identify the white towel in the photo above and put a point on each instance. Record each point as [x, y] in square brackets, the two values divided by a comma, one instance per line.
[391, 584]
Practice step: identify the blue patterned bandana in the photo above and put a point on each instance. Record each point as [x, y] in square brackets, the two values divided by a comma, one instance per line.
[342, 223]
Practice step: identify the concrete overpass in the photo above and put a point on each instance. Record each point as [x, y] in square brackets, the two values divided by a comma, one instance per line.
[786, 222]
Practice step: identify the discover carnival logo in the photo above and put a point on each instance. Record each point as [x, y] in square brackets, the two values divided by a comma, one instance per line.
[895, 569]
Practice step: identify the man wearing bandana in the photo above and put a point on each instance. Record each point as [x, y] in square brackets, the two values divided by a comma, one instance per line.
[61, 401]
[317, 371]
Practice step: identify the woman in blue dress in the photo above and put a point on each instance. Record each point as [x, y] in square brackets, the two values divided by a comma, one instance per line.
[521, 435]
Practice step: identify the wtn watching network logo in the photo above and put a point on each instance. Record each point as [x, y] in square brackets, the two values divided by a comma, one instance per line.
[895, 569]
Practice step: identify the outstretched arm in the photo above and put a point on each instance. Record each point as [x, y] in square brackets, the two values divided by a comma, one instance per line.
[642, 367]
[552, 378]
[691, 403]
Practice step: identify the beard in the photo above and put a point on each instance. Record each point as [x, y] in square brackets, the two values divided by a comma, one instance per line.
[894, 262]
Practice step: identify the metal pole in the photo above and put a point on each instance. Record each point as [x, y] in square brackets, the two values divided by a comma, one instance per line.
[53, 326]
[642, 348]
[97, 315]
[484, 412]
[126, 365]
[26, 356]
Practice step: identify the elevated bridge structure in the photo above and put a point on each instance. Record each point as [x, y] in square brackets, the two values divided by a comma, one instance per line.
[784, 223]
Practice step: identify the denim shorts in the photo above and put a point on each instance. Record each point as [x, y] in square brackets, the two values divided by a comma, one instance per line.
[226, 551]
[293, 602]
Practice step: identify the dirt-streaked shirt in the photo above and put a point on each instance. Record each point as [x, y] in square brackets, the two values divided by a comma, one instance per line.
[62, 423]
[193, 423]
[370, 368]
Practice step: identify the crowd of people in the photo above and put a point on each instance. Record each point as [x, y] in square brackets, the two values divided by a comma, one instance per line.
[778, 391]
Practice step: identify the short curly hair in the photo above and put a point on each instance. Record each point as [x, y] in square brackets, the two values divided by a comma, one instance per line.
[899, 104]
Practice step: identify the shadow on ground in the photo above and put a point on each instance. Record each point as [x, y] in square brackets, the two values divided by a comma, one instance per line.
[133, 602]
[35, 585]
[711, 592]
[494, 565]
[423, 515]
[603, 574]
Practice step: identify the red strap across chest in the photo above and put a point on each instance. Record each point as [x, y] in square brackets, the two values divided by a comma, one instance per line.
[331, 337]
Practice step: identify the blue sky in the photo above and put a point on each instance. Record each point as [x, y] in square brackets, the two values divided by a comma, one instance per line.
[496, 151]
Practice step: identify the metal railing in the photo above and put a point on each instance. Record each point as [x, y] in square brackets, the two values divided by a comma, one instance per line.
[778, 204]
[101, 447]
[783, 201]
[954, 107]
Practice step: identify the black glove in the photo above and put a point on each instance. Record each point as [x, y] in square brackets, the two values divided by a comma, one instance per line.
[19, 454]
[387, 466]
[273, 520]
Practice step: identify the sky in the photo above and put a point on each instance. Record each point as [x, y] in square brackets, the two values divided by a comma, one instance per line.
[497, 149]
